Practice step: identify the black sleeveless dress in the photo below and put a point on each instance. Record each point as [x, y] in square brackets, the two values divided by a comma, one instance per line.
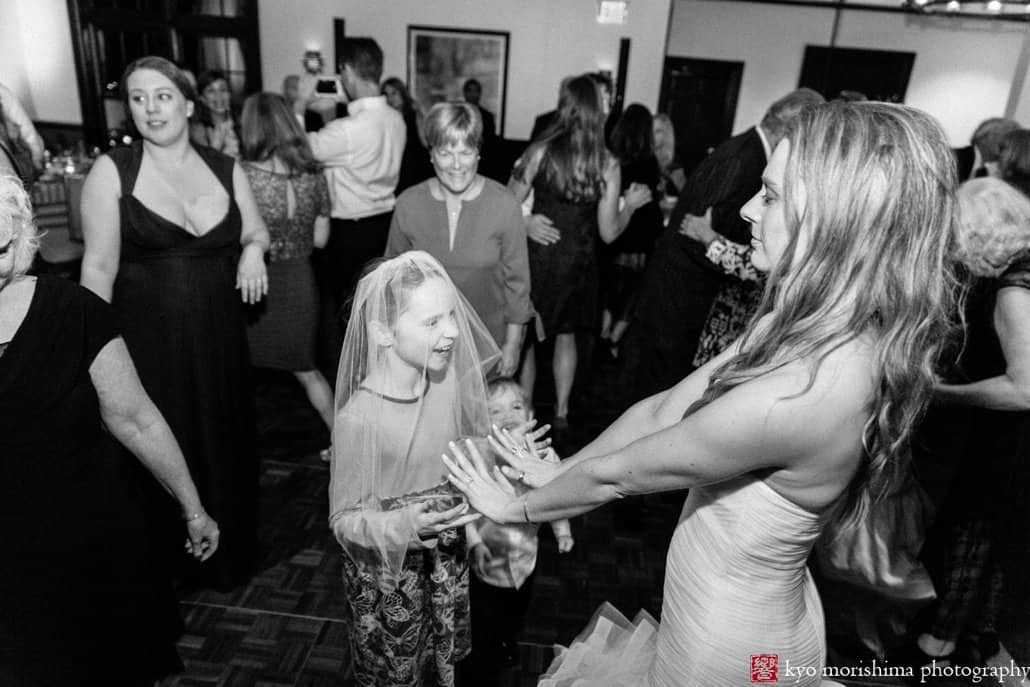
[564, 275]
[183, 322]
[81, 599]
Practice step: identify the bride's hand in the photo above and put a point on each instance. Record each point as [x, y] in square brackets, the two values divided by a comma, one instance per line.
[525, 463]
[488, 491]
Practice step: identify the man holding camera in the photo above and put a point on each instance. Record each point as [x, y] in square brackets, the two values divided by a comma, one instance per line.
[362, 157]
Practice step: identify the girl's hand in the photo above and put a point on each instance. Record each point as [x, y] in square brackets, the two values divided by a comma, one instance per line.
[525, 462]
[202, 541]
[430, 524]
[488, 491]
[252, 275]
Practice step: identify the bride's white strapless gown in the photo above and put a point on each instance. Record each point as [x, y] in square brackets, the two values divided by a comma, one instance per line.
[736, 585]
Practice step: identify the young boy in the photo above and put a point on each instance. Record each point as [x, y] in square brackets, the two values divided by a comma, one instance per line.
[503, 556]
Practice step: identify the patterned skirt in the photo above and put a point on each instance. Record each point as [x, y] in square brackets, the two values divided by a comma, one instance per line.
[409, 629]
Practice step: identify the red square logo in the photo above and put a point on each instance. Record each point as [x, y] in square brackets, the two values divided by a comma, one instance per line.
[765, 667]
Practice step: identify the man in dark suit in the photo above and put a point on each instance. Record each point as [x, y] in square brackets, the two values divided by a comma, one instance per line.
[681, 283]
[490, 149]
[473, 91]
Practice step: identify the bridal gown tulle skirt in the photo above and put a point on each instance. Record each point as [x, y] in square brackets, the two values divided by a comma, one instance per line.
[739, 603]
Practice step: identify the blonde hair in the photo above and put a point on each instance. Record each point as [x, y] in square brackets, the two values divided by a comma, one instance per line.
[17, 225]
[454, 124]
[872, 186]
[994, 226]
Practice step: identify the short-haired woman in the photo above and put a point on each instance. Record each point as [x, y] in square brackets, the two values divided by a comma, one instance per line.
[293, 197]
[81, 599]
[472, 225]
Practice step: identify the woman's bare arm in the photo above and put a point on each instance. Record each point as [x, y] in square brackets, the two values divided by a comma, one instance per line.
[1011, 390]
[101, 228]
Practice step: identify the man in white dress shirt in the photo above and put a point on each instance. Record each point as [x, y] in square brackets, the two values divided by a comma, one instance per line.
[362, 157]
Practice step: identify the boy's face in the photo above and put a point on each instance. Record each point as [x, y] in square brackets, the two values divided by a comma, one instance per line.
[507, 409]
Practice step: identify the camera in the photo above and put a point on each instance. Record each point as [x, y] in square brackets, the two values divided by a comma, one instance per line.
[331, 87]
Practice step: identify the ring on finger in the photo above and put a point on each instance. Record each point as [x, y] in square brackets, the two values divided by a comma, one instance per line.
[522, 474]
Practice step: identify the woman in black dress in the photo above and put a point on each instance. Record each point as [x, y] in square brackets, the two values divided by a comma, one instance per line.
[982, 517]
[80, 600]
[623, 259]
[163, 224]
[576, 185]
[415, 164]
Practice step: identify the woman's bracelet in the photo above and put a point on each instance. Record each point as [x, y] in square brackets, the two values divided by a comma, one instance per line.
[525, 508]
[193, 516]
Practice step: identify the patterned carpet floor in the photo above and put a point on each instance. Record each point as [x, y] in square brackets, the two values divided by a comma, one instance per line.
[284, 628]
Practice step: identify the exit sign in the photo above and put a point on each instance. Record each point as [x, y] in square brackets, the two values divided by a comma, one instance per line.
[612, 11]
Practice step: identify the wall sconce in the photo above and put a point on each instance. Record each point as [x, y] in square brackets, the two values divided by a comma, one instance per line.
[612, 11]
[313, 62]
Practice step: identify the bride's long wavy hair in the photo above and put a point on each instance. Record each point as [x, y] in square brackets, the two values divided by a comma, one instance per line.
[872, 187]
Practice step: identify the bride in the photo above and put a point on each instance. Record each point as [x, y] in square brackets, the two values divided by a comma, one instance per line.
[804, 420]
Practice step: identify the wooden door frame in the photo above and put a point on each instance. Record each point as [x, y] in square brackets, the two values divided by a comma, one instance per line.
[732, 91]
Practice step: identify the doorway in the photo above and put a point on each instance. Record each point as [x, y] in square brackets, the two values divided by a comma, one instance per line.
[700, 97]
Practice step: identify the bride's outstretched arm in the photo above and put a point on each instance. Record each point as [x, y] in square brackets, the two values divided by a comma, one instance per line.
[775, 422]
[653, 414]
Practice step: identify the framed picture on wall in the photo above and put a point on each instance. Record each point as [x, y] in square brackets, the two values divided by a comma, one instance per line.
[441, 60]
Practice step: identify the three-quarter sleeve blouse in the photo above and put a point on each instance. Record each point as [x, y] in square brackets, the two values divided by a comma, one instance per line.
[488, 262]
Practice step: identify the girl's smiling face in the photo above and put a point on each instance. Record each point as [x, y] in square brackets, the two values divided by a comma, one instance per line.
[425, 332]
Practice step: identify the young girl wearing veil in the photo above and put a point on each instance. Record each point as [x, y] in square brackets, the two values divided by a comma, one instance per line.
[411, 379]
[805, 420]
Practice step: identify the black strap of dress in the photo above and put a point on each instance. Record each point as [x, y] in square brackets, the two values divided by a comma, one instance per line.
[128, 161]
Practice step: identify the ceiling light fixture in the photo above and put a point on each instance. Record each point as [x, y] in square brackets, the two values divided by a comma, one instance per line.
[1008, 9]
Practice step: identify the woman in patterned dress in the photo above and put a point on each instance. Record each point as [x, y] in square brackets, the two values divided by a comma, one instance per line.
[293, 198]
[411, 380]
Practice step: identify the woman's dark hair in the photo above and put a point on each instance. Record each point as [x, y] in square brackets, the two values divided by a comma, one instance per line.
[633, 136]
[162, 66]
[1014, 159]
[571, 150]
[268, 128]
[202, 111]
[398, 85]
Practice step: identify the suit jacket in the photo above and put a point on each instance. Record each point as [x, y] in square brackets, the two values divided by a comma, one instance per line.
[724, 181]
[489, 124]
[680, 282]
